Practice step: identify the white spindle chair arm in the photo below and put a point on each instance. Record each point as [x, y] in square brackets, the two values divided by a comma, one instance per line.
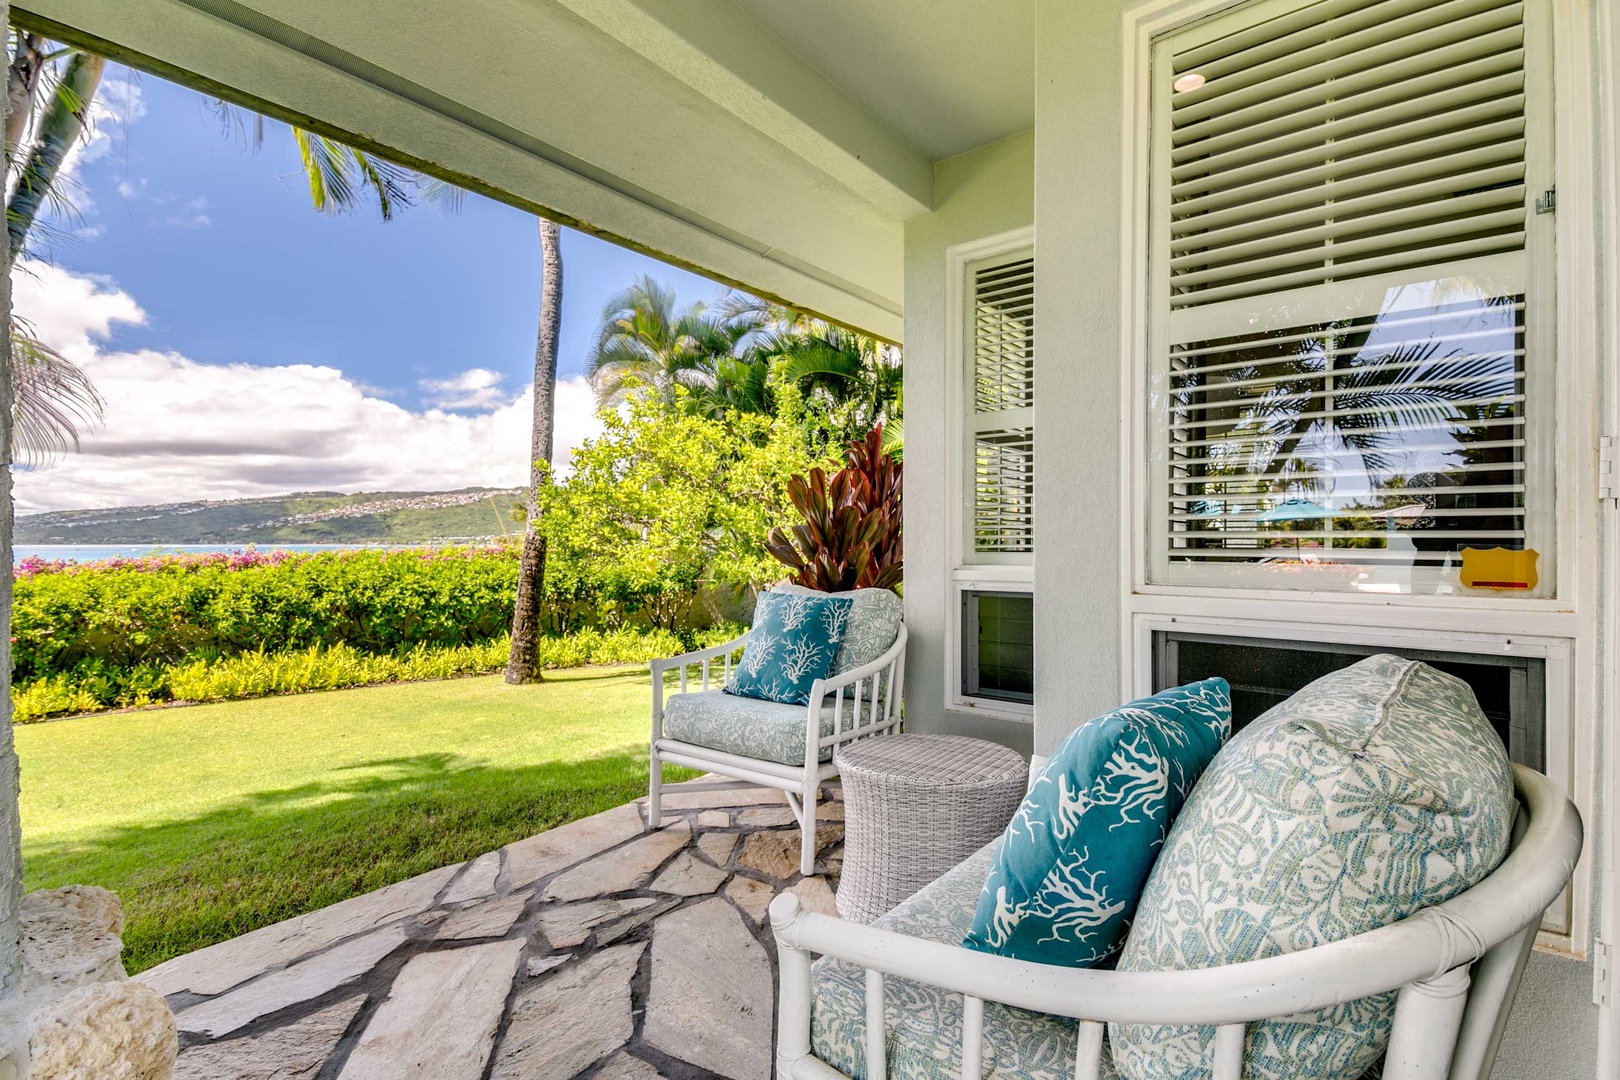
[871, 691]
[698, 656]
[681, 663]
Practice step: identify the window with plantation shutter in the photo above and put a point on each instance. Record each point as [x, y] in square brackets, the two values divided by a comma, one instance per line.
[1000, 428]
[1350, 342]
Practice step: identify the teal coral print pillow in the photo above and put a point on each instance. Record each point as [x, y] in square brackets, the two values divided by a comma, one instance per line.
[794, 642]
[1073, 861]
[1374, 792]
[874, 622]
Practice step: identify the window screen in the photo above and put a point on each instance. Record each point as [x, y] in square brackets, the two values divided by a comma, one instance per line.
[998, 644]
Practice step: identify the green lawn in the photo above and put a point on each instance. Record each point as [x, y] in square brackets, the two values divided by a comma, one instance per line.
[212, 820]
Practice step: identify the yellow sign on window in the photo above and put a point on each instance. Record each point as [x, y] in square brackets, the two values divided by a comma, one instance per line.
[1498, 568]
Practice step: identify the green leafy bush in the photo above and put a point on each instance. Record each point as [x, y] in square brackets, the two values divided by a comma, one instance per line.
[257, 673]
[95, 620]
[664, 502]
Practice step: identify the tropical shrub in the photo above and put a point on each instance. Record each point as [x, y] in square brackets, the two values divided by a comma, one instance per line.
[665, 502]
[850, 537]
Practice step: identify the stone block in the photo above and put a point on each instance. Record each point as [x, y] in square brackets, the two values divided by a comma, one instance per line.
[304, 981]
[220, 967]
[568, 1022]
[492, 918]
[766, 816]
[717, 847]
[294, 1051]
[628, 867]
[110, 1031]
[623, 1066]
[527, 861]
[70, 938]
[816, 895]
[686, 876]
[752, 896]
[711, 996]
[567, 925]
[440, 1017]
[478, 880]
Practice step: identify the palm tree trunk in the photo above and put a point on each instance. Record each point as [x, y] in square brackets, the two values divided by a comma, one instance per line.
[59, 127]
[22, 82]
[524, 664]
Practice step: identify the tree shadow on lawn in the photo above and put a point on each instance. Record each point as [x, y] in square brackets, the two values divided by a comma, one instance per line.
[275, 854]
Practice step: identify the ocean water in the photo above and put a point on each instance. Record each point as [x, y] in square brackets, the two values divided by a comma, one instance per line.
[97, 552]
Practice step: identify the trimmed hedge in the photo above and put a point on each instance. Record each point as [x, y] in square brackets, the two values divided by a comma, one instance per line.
[126, 615]
[241, 624]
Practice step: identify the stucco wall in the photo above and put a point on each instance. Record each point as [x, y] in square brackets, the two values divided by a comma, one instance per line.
[980, 193]
[1552, 1032]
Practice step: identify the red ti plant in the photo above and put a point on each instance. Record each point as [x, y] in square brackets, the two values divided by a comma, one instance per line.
[850, 538]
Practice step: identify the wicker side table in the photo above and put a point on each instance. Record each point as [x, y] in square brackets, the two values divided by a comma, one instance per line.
[915, 806]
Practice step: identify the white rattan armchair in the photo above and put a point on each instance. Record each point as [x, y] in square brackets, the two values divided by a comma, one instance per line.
[1456, 966]
[863, 702]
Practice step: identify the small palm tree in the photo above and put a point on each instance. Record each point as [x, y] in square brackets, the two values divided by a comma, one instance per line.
[857, 378]
[643, 341]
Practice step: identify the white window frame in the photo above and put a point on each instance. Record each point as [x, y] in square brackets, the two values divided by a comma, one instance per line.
[1526, 271]
[1565, 621]
[1005, 574]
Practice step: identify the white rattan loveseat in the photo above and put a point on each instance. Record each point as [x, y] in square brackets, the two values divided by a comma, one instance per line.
[856, 704]
[1456, 967]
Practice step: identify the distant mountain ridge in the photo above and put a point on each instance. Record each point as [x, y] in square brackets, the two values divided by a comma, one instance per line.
[306, 517]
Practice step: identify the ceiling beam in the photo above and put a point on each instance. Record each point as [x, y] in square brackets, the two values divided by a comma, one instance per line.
[734, 60]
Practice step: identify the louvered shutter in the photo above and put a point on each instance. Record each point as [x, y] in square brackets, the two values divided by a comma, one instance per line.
[1345, 365]
[1000, 425]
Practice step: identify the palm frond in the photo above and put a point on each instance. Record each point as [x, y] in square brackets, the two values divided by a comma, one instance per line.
[443, 195]
[338, 174]
[53, 400]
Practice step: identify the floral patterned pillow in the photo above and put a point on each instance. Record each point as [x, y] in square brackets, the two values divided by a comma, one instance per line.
[794, 642]
[1374, 792]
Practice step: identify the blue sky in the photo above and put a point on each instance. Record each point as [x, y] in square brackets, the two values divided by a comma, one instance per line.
[248, 345]
[223, 251]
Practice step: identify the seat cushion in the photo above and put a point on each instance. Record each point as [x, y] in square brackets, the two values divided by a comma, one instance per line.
[874, 623]
[1374, 792]
[794, 641]
[747, 727]
[1066, 882]
[925, 1023]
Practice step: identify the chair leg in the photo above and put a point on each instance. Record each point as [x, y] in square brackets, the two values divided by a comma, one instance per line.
[807, 830]
[655, 787]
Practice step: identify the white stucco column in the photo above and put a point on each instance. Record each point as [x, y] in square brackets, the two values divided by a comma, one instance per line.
[10, 828]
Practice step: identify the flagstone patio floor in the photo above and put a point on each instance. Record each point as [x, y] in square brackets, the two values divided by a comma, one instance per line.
[594, 950]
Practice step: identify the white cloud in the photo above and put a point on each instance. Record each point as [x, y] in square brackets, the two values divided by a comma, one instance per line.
[190, 216]
[70, 312]
[180, 429]
[476, 388]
